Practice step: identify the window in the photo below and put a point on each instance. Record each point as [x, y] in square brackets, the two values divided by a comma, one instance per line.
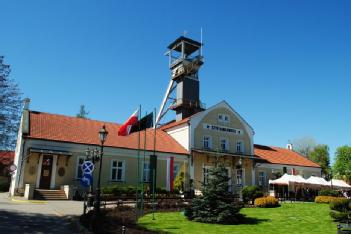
[207, 142]
[240, 147]
[228, 174]
[224, 144]
[261, 178]
[175, 170]
[239, 177]
[117, 170]
[146, 172]
[205, 174]
[223, 118]
[79, 171]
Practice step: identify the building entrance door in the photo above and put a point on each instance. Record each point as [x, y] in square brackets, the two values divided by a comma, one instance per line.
[46, 170]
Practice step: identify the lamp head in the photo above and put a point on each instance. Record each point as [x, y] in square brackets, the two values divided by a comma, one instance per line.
[103, 134]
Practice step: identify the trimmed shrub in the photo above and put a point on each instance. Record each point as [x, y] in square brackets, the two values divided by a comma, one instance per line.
[266, 202]
[338, 216]
[118, 190]
[328, 192]
[250, 193]
[340, 204]
[326, 199]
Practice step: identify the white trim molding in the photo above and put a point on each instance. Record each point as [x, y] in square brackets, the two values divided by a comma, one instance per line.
[39, 171]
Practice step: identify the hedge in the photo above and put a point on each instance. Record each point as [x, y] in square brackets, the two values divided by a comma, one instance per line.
[328, 192]
[250, 193]
[338, 216]
[341, 204]
[326, 199]
[266, 202]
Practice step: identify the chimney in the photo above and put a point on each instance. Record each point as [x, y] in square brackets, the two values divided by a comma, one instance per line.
[26, 102]
[25, 116]
[289, 146]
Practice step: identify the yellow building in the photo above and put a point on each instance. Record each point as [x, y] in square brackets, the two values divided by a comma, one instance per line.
[217, 135]
[52, 148]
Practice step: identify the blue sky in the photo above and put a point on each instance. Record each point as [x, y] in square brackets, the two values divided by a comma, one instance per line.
[283, 65]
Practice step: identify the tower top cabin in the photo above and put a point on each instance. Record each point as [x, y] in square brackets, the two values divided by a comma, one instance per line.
[185, 60]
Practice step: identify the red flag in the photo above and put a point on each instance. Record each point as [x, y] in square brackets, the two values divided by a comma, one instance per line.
[171, 175]
[124, 130]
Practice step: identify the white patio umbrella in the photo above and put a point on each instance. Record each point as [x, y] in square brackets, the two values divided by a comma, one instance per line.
[340, 184]
[287, 179]
[315, 181]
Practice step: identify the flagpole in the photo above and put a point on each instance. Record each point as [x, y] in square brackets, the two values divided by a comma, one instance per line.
[138, 182]
[142, 192]
[154, 171]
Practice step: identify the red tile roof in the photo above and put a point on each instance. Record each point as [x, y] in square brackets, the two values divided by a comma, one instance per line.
[7, 157]
[85, 131]
[277, 155]
[174, 123]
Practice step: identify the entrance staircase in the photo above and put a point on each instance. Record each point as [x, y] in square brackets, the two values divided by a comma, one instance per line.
[45, 194]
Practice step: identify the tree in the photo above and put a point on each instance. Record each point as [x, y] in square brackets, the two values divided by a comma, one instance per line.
[216, 204]
[82, 112]
[320, 155]
[10, 108]
[304, 145]
[342, 166]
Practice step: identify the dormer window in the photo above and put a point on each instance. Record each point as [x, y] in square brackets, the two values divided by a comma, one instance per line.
[223, 118]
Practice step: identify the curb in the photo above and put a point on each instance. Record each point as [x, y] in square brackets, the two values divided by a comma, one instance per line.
[29, 201]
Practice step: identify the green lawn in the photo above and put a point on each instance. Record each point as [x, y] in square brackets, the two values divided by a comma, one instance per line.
[298, 218]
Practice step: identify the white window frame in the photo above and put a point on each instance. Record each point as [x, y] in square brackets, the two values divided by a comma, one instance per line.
[262, 178]
[209, 142]
[223, 118]
[242, 146]
[79, 166]
[146, 176]
[123, 168]
[205, 174]
[226, 148]
[242, 177]
[176, 168]
[229, 171]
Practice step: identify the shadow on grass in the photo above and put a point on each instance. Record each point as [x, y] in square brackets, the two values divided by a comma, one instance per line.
[253, 221]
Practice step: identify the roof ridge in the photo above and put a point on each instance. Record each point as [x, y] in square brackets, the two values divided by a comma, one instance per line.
[72, 117]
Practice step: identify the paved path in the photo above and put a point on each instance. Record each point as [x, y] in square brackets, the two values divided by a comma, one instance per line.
[20, 216]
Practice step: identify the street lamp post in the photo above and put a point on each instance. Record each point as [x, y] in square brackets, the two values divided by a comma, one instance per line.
[102, 135]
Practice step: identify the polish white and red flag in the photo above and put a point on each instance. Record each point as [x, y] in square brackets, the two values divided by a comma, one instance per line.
[125, 128]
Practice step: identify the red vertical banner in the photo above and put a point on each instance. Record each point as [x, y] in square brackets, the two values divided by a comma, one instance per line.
[293, 172]
[171, 173]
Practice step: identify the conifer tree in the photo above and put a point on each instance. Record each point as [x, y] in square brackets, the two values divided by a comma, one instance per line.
[216, 205]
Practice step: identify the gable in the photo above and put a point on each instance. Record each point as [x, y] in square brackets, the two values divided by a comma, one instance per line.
[221, 121]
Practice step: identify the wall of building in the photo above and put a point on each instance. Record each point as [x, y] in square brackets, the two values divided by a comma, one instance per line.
[30, 169]
[234, 122]
[203, 160]
[180, 134]
[68, 168]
